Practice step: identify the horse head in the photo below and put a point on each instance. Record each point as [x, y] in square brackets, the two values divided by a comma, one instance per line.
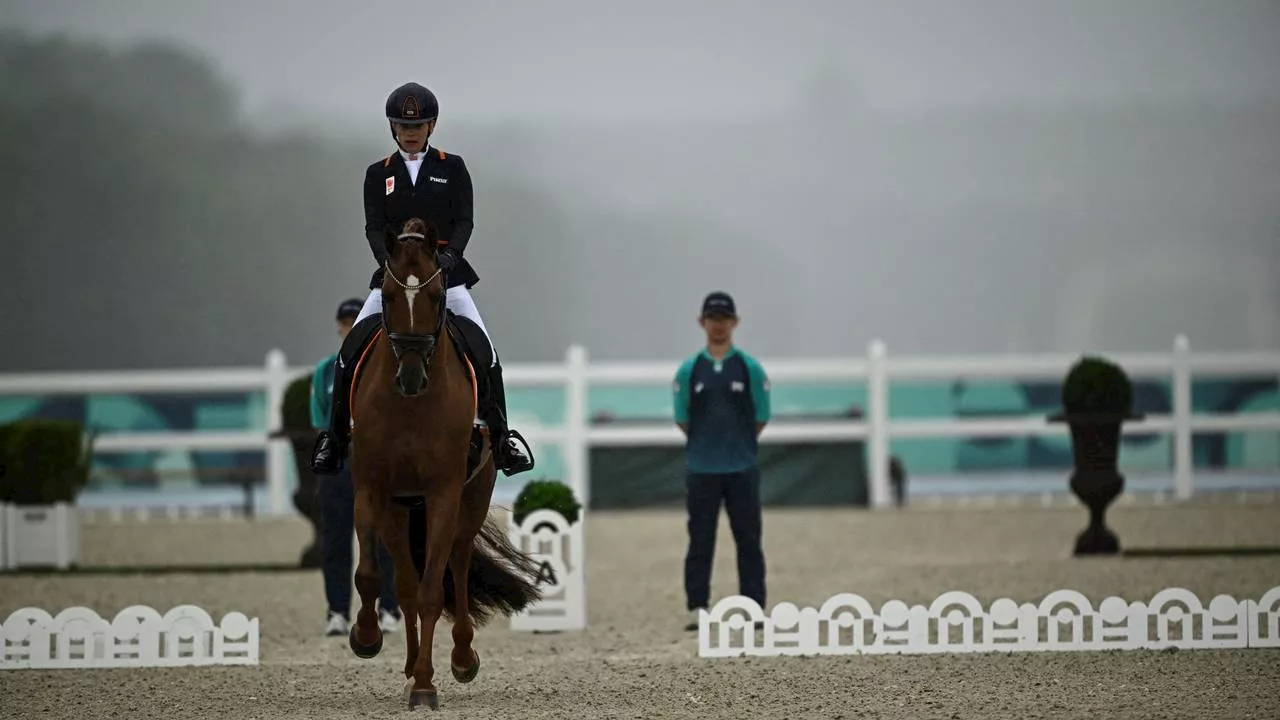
[413, 302]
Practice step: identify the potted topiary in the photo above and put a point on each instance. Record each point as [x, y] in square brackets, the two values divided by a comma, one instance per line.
[44, 464]
[1097, 397]
[546, 494]
[546, 524]
[295, 422]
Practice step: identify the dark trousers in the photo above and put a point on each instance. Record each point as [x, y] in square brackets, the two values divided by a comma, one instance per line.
[337, 526]
[740, 493]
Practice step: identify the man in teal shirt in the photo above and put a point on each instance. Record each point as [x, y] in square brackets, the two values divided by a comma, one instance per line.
[337, 509]
[721, 404]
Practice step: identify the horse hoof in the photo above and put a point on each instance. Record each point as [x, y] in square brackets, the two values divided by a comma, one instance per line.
[418, 698]
[467, 674]
[361, 650]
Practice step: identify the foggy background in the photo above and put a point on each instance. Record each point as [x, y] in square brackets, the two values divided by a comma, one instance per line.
[181, 181]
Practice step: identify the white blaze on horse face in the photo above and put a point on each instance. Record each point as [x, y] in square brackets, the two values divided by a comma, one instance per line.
[410, 293]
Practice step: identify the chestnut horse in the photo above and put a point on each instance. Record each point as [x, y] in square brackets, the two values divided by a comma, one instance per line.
[413, 405]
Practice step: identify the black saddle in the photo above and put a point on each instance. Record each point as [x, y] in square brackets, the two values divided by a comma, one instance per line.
[470, 341]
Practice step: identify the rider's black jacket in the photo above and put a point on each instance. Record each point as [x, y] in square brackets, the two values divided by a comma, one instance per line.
[441, 196]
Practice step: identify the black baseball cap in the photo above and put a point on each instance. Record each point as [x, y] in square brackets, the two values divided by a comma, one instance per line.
[719, 303]
[350, 308]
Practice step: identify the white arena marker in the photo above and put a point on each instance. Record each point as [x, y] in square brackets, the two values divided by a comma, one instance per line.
[138, 636]
[558, 549]
[956, 622]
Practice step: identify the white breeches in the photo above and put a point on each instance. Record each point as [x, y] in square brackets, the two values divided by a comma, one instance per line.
[457, 299]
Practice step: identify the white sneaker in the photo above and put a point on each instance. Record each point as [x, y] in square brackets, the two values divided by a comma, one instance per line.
[388, 621]
[337, 625]
[692, 621]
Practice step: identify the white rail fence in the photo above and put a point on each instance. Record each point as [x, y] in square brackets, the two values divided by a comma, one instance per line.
[576, 374]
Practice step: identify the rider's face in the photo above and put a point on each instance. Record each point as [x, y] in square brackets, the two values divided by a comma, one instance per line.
[413, 138]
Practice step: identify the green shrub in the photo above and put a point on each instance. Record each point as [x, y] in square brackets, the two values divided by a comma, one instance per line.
[549, 494]
[1097, 386]
[44, 461]
[295, 412]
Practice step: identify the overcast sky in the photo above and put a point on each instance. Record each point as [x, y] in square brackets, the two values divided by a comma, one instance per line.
[578, 58]
[919, 195]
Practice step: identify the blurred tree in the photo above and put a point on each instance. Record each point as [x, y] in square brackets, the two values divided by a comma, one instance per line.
[157, 85]
[130, 171]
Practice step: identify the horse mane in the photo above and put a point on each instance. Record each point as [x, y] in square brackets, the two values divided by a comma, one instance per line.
[421, 227]
[391, 237]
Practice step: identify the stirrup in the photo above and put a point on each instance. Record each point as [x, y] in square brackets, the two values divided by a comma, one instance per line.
[506, 454]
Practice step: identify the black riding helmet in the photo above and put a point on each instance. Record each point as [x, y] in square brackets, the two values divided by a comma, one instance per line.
[411, 104]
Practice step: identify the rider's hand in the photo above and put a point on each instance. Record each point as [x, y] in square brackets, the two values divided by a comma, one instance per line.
[447, 259]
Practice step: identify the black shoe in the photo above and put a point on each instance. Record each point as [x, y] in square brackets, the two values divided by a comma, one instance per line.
[329, 454]
[508, 454]
[331, 446]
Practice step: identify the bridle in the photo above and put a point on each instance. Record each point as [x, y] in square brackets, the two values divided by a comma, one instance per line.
[422, 344]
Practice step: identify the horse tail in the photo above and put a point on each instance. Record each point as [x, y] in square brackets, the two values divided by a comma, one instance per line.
[501, 578]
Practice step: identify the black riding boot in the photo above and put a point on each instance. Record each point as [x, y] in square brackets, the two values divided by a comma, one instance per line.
[331, 446]
[509, 457]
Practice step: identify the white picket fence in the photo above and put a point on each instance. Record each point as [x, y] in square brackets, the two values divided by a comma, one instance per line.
[576, 374]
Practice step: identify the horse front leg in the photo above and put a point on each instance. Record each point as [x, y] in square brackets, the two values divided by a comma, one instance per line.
[465, 661]
[442, 522]
[366, 637]
[406, 590]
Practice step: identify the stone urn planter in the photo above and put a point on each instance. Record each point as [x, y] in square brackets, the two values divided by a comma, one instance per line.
[1097, 398]
[297, 429]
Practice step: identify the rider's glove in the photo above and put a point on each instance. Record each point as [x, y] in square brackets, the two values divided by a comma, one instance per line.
[447, 258]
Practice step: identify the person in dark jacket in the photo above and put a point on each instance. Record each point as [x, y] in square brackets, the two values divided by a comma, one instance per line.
[722, 402]
[337, 510]
[422, 181]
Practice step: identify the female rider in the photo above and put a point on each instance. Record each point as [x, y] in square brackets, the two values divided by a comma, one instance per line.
[424, 182]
